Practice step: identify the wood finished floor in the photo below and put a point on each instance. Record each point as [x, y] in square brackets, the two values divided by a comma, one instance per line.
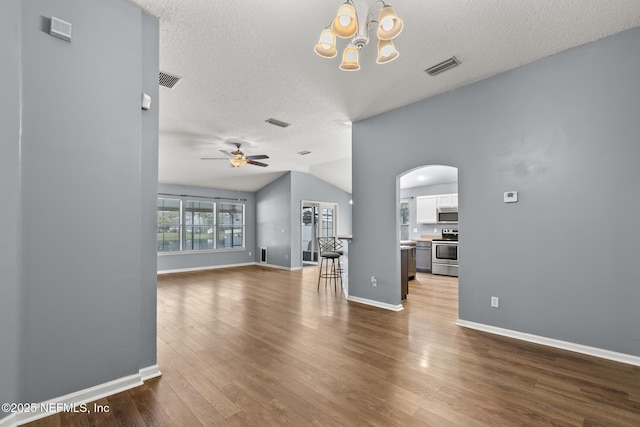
[254, 346]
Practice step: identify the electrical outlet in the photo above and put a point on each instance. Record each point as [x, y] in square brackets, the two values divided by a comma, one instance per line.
[415, 230]
[249, 253]
[435, 229]
[495, 302]
[374, 281]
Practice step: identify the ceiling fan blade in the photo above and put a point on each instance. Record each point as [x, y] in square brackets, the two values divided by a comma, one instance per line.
[213, 158]
[227, 153]
[257, 156]
[253, 162]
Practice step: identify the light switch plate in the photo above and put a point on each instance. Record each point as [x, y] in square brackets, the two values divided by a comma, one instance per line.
[510, 196]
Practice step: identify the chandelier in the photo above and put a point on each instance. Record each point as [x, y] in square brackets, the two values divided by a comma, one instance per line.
[352, 23]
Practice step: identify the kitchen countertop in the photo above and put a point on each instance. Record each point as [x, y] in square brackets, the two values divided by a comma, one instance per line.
[427, 238]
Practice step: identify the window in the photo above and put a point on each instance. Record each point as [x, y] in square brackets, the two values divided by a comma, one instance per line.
[196, 225]
[168, 225]
[404, 213]
[198, 221]
[230, 225]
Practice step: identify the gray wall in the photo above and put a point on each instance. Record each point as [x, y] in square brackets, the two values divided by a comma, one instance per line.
[149, 182]
[279, 214]
[178, 261]
[410, 195]
[10, 192]
[86, 266]
[562, 131]
[273, 213]
[305, 186]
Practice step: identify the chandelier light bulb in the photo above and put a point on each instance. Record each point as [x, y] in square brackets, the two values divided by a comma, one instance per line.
[387, 24]
[344, 20]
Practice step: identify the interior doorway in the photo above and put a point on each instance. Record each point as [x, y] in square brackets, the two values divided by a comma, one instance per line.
[318, 220]
[428, 218]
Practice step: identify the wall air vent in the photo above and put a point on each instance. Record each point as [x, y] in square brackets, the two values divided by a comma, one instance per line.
[304, 152]
[168, 80]
[443, 66]
[277, 122]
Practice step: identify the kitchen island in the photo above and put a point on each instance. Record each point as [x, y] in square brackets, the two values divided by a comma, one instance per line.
[404, 271]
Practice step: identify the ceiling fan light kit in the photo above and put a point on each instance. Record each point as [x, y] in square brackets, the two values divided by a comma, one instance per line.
[349, 23]
[238, 159]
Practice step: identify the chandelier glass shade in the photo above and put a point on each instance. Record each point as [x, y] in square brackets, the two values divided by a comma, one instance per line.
[350, 59]
[345, 24]
[351, 22]
[390, 25]
[326, 46]
[386, 51]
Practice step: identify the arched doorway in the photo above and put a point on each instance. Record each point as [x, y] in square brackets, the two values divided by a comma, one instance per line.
[428, 225]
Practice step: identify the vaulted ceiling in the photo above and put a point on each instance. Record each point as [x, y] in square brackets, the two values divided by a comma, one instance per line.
[245, 61]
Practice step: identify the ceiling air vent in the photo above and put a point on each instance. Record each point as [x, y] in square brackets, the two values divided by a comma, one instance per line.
[277, 122]
[168, 80]
[304, 152]
[443, 66]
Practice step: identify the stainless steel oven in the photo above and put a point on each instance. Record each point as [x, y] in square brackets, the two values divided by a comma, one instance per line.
[444, 253]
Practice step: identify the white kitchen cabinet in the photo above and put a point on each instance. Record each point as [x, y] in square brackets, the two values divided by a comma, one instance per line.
[426, 207]
[447, 200]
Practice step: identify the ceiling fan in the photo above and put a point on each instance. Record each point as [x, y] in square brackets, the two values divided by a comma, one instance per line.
[238, 159]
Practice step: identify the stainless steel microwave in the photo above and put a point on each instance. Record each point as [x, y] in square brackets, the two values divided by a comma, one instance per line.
[447, 216]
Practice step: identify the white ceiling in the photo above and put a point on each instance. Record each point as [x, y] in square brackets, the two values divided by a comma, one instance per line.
[429, 175]
[244, 61]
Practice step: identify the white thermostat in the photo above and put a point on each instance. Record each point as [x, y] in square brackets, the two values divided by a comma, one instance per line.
[510, 196]
[60, 29]
[146, 101]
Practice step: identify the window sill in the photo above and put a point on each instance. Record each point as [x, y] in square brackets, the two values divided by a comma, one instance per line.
[204, 251]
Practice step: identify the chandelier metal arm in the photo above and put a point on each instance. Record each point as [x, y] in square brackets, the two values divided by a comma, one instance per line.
[361, 38]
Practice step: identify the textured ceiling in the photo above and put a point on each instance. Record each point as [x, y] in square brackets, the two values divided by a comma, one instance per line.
[245, 61]
[429, 175]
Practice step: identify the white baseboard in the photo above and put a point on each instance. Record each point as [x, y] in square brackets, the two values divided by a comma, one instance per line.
[150, 372]
[9, 421]
[85, 396]
[209, 267]
[564, 345]
[376, 303]
[215, 267]
[279, 267]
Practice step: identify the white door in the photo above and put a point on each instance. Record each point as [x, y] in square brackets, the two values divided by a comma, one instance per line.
[318, 220]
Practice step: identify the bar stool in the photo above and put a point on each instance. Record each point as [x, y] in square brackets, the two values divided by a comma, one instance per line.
[329, 253]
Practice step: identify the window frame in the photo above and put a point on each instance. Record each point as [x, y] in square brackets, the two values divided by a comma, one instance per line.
[219, 226]
[188, 212]
[216, 227]
[179, 226]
